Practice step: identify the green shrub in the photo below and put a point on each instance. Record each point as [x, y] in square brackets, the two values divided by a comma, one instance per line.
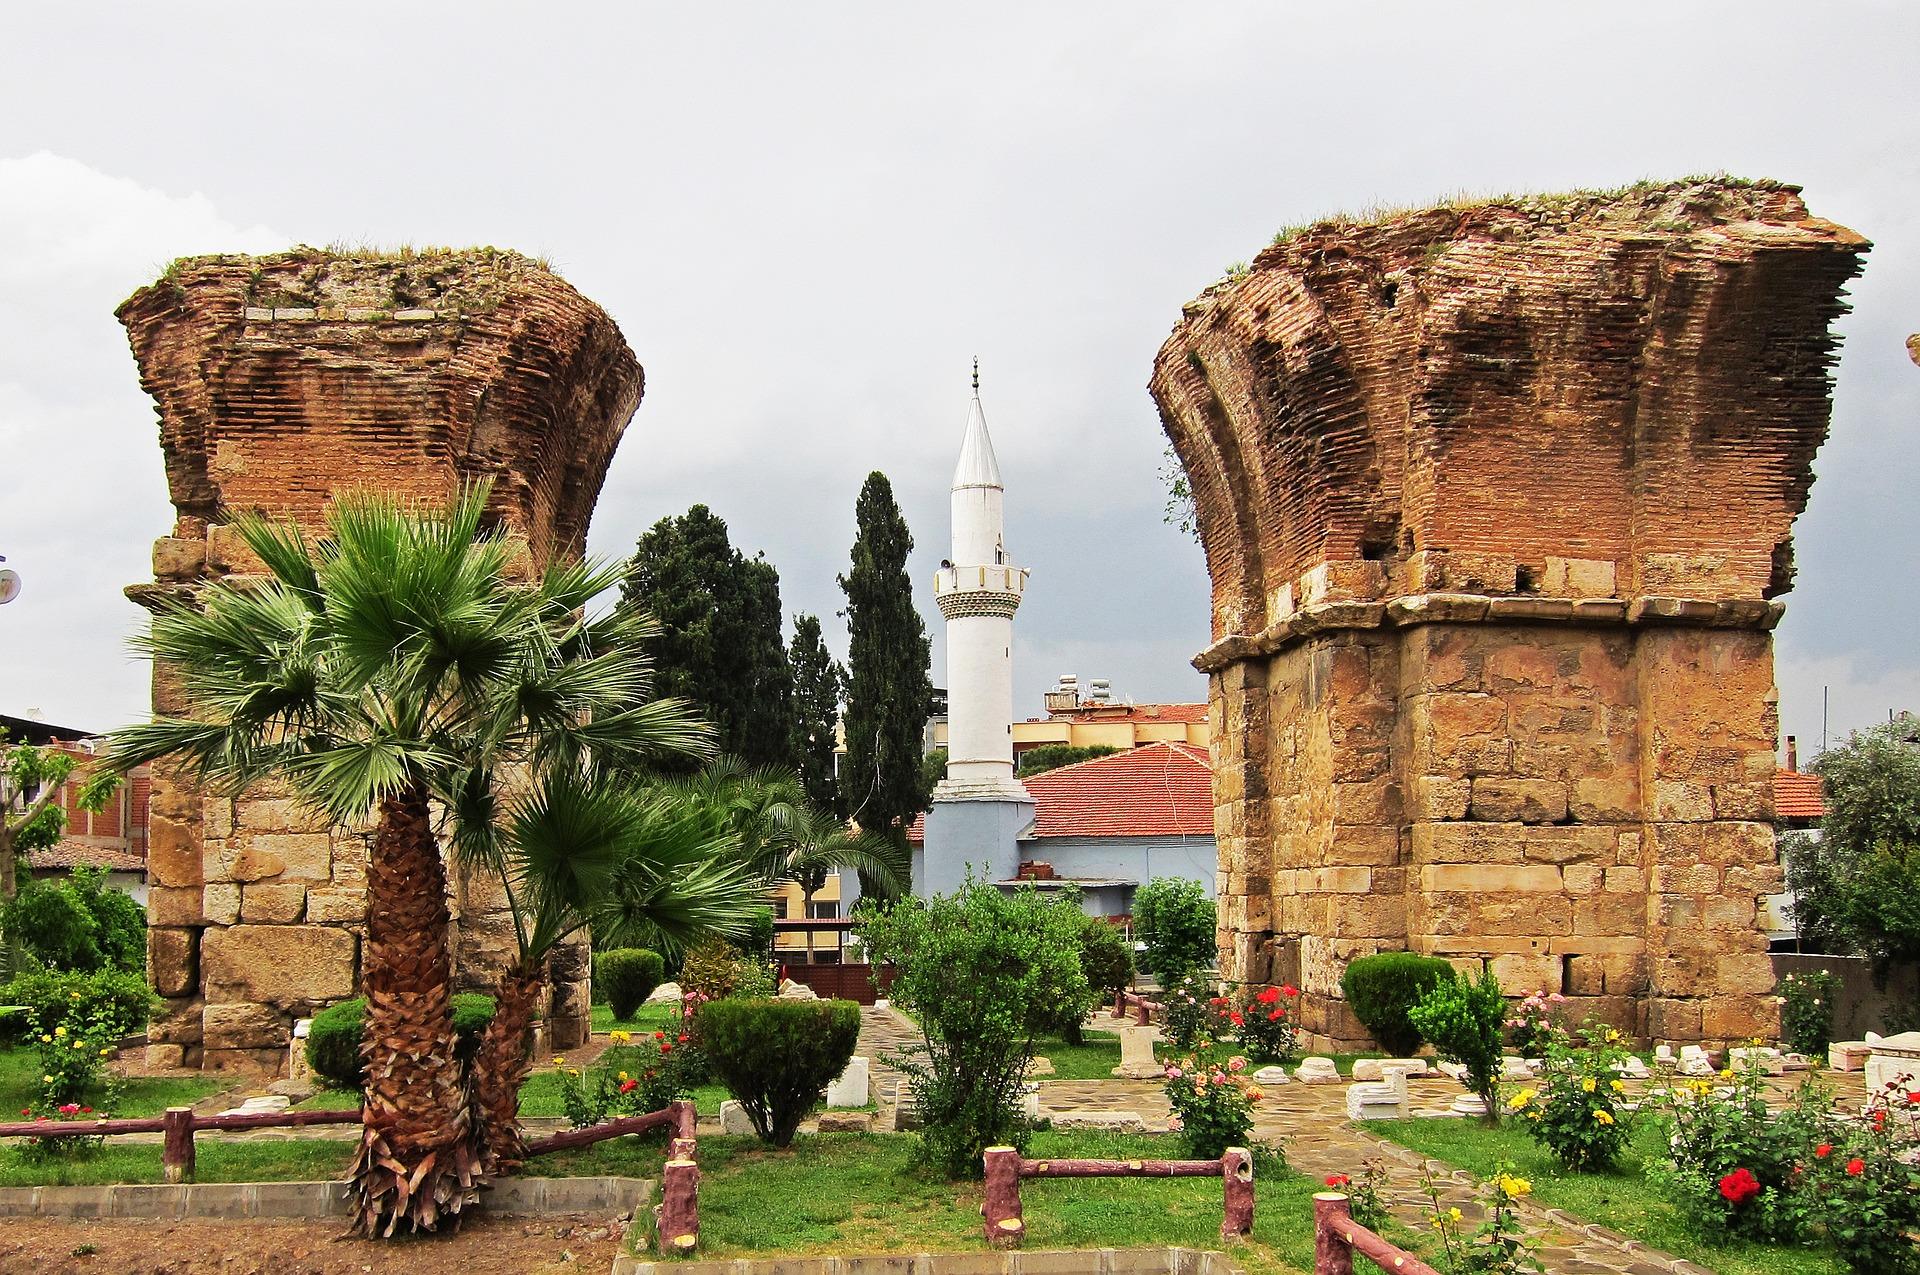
[333, 1038]
[1736, 1162]
[1579, 1112]
[627, 975]
[757, 943]
[775, 1056]
[986, 973]
[1106, 959]
[78, 923]
[1175, 919]
[716, 970]
[1806, 1011]
[1047, 757]
[1465, 1020]
[119, 999]
[1384, 987]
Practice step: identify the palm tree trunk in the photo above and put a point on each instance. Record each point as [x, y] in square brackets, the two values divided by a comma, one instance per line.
[416, 1162]
[500, 1067]
[806, 914]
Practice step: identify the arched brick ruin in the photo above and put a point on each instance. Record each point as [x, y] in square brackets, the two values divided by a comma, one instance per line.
[1496, 500]
[279, 381]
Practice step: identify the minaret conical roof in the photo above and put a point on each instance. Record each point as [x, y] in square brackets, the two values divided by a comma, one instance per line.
[978, 467]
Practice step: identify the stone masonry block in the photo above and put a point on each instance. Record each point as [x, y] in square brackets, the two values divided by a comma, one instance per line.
[1497, 800]
[221, 904]
[272, 902]
[282, 965]
[243, 1026]
[173, 960]
[1490, 878]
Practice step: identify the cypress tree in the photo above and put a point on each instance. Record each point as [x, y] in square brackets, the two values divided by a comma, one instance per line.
[817, 682]
[720, 644]
[889, 692]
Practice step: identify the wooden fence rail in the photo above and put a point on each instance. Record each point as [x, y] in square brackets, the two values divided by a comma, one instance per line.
[1139, 1006]
[179, 1124]
[1337, 1237]
[1005, 1224]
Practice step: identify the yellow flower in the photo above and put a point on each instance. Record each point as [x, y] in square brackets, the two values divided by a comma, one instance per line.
[1618, 1086]
[59, 1031]
[73, 996]
[559, 1061]
[79, 1044]
[106, 1053]
[573, 1071]
[1604, 1117]
[1521, 1099]
[1453, 1215]
[1513, 1188]
[45, 1039]
[620, 1037]
[1726, 1073]
[46, 1080]
[1253, 1095]
[1589, 1084]
[1613, 1036]
[623, 1076]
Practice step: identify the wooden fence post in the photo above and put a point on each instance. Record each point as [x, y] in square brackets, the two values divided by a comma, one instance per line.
[1332, 1254]
[1141, 1015]
[683, 1117]
[176, 1149]
[678, 1220]
[1236, 1173]
[1120, 1003]
[1004, 1224]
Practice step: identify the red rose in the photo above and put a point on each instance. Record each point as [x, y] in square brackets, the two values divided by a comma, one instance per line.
[628, 1086]
[1914, 1098]
[1822, 1151]
[26, 1111]
[1268, 995]
[659, 1035]
[1236, 1019]
[1338, 1179]
[1855, 1167]
[682, 1038]
[1289, 990]
[665, 1047]
[1739, 1186]
[86, 1111]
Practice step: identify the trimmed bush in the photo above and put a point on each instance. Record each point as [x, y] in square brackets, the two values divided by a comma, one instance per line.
[1385, 987]
[1466, 1020]
[775, 1056]
[333, 1038]
[128, 1003]
[627, 976]
[1175, 919]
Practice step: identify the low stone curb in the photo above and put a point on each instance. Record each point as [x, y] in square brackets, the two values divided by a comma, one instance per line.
[1093, 1261]
[296, 1200]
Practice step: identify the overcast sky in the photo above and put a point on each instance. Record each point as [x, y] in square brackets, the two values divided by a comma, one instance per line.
[808, 218]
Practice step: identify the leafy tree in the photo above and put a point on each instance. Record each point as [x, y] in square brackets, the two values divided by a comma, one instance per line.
[720, 631]
[397, 664]
[1037, 761]
[1859, 883]
[986, 973]
[818, 681]
[1464, 1020]
[889, 692]
[1175, 919]
[79, 923]
[31, 816]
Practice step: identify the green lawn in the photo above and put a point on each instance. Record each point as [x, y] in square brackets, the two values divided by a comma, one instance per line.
[1624, 1201]
[647, 1018]
[20, 1087]
[289, 1161]
[862, 1193]
[1093, 1060]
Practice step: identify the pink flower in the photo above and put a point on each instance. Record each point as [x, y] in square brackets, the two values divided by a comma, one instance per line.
[1219, 1078]
[1238, 1064]
[1173, 1073]
[1175, 1124]
[69, 1108]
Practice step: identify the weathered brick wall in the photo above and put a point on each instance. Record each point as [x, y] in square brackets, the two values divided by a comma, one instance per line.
[1495, 499]
[280, 381]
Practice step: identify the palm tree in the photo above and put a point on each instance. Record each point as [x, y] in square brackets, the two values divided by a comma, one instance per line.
[811, 844]
[579, 850]
[396, 663]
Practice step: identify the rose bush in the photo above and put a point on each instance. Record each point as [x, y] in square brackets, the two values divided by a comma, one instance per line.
[635, 1075]
[1268, 1025]
[1865, 1185]
[1579, 1112]
[1212, 1101]
[1534, 1021]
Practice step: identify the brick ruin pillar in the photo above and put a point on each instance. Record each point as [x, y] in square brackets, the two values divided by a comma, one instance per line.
[1496, 500]
[279, 381]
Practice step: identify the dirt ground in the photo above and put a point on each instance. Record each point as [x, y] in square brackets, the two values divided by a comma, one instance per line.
[484, 1246]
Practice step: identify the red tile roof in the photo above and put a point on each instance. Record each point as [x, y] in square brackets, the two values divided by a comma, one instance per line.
[1797, 795]
[1156, 790]
[73, 854]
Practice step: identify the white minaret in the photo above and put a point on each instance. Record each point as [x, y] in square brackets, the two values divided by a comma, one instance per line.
[979, 809]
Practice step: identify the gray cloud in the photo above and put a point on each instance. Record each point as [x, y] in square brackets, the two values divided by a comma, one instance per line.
[807, 219]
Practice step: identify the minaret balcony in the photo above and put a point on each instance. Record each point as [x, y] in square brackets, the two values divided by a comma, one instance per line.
[985, 590]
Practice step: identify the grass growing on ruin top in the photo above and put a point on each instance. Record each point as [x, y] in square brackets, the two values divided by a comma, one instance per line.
[1623, 1201]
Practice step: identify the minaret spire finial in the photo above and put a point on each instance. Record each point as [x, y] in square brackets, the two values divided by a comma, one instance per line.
[976, 374]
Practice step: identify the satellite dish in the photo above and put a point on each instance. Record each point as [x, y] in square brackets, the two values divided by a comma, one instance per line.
[9, 585]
